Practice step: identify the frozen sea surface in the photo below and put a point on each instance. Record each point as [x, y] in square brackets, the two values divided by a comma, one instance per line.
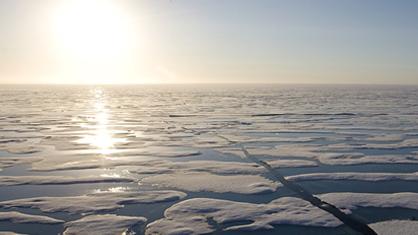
[185, 159]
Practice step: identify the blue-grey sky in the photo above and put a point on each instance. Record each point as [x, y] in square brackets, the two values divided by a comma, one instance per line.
[204, 41]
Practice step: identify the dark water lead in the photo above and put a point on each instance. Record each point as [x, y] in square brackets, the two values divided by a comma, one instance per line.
[349, 220]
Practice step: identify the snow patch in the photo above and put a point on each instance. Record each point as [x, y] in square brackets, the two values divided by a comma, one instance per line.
[216, 167]
[200, 181]
[21, 218]
[351, 201]
[360, 176]
[359, 158]
[404, 227]
[196, 216]
[53, 179]
[408, 143]
[9, 233]
[288, 163]
[192, 216]
[6, 162]
[107, 224]
[96, 202]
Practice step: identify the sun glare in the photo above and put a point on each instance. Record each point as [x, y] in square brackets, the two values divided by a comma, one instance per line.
[93, 34]
[100, 136]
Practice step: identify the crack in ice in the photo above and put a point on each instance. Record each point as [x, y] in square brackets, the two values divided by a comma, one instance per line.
[348, 220]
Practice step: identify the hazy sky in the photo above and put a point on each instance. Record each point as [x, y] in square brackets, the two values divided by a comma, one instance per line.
[228, 41]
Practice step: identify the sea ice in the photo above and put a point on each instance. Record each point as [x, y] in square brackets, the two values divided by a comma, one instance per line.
[200, 181]
[81, 162]
[360, 176]
[288, 150]
[20, 148]
[107, 224]
[386, 138]
[10, 233]
[91, 161]
[408, 143]
[360, 158]
[96, 202]
[14, 161]
[21, 218]
[288, 163]
[351, 201]
[192, 216]
[276, 163]
[216, 167]
[392, 227]
[54, 179]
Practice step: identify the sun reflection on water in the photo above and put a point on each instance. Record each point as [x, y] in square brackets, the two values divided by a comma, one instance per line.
[112, 190]
[101, 136]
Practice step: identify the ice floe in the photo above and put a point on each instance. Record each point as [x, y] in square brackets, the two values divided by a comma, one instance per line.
[139, 165]
[351, 201]
[216, 167]
[196, 182]
[386, 138]
[193, 216]
[301, 151]
[163, 151]
[53, 179]
[298, 161]
[360, 158]
[107, 224]
[359, 176]
[21, 218]
[90, 161]
[10, 233]
[199, 215]
[95, 202]
[327, 157]
[86, 162]
[19, 147]
[288, 163]
[243, 139]
[408, 143]
[392, 227]
[14, 161]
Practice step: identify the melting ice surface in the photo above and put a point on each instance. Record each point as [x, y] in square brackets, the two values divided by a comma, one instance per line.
[180, 159]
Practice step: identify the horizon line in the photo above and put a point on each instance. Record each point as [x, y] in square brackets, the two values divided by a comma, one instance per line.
[209, 83]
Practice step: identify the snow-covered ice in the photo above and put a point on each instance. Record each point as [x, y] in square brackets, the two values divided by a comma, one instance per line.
[96, 202]
[352, 201]
[78, 152]
[107, 224]
[197, 182]
[360, 176]
[21, 218]
[391, 227]
[192, 216]
[48, 180]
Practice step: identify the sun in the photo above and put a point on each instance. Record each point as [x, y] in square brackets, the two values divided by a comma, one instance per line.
[92, 27]
[93, 35]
